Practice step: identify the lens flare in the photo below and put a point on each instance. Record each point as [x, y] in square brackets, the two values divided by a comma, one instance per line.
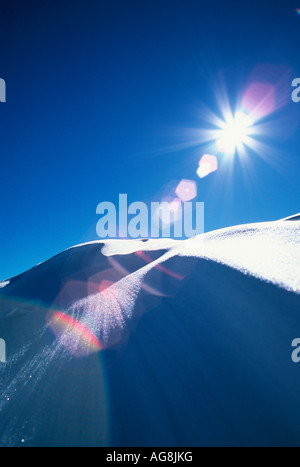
[186, 190]
[159, 267]
[207, 165]
[107, 290]
[244, 124]
[171, 212]
[259, 100]
[74, 336]
[235, 133]
[175, 206]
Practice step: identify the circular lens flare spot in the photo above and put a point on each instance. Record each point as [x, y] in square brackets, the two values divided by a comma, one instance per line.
[207, 165]
[186, 190]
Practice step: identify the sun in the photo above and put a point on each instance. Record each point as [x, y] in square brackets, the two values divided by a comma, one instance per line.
[234, 133]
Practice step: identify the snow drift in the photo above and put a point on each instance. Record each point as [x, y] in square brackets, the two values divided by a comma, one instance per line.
[156, 343]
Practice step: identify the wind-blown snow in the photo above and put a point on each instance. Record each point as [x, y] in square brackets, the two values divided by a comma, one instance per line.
[268, 251]
[177, 320]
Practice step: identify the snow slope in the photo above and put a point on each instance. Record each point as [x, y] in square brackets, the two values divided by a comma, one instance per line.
[159, 343]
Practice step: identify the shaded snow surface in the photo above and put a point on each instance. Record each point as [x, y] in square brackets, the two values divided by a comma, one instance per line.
[156, 343]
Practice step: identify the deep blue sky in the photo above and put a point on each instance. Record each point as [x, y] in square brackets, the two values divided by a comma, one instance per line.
[99, 95]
